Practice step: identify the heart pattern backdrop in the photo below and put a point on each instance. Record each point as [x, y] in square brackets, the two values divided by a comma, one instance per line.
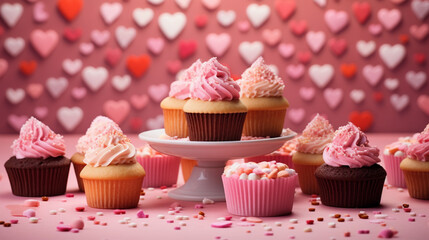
[67, 61]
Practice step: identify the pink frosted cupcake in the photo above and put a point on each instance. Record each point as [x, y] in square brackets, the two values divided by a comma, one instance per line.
[99, 127]
[392, 157]
[161, 169]
[259, 189]
[282, 155]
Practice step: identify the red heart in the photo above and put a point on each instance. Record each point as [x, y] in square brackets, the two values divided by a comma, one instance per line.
[72, 34]
[420, 58]
[285, 8]
[113, 55]
[363, 120]
[361, 11]
[404, 39]
[337, 46]
[34, 90]
[378, 96]
[174, 66]
[201, 20]
[348, 70]
[304, 57]
[136, 124]
[138, 65]
[187, 48]
[298, 27]
[69, 8]
[27, 67]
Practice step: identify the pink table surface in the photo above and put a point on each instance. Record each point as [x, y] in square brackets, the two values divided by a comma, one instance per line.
[201, 229]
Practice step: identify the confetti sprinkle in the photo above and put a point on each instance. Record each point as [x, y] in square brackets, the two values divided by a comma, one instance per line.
[411, 219]
[293, 220]
[309, 222]
[340, 219]
[320, 219]
[52, 212]
[7, 224]
[160, 216]
[347, 234]
[80, 209]
[254, 220]
[14, 221]
[222, 224]
[380, 216]
[332, 225]
[407, 209]
[140, 214]
[64, 228]
[45, 199]
[311, 209]
[91, 218]
[33, 220]
[69, 195]
[278, 224]
[208, 201]
[308, 229]
[62, 210]
[363, 231]
[132, 224]
[29, 213]
[268, 228]
[32, 203]
[363, 216]
[99, 214]
[198, 206]
[176, 228]
[386, 233]
[269, 234]
[78, 224]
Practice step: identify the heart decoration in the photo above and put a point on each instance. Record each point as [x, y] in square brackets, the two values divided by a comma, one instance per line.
[348, 70]
[69, 118]
[391, 83]
[72, 67]
[11, 13]
[116, 110]
[373, 74]
[243, 26]
[378, 96]
[56, 86]
[187, 48]
[423, 103]
[399, 102]
[320, 3]
[143, 16]
[39, 13]
[419, 32]
[296, 115]
[137, 65]
[27, 67]
[14, 46]
[258, 14]
[15, 96]
[362, 11]
[321, 74]
[16, 121]
[392, 56]
[363, 120]
[271, 36]
[375, 29]
[155, 45]
[183, 4]
[225, 18]
[44, 42]
[285, 8]
[72, 34]
[34, 90]
[110, 12]
[41, 112]
[365, 49]
[315, 40]
[201, 20]
[250, 51]
[304, 57]
[112, 56]
[404, 39]
[336, 20]
[121, 83]
[298, 27]
[100, 37]
[157, 92]
[172, 24]
[389, 18]
[357, 95]
[124, 36]
[416, 79]
[94, 78]
[218, 44]
[286, 50]
[174, 66]
[338, 46]
[210, 4]
[333, 97]
[139, 101]
[274, 69]
[420, 8]
[155, 123]
[156, 2]
[136, 124]
[86, 48]
[3, 67]
[78, 93]
[69, 8]
[295, 71]
[307, 93]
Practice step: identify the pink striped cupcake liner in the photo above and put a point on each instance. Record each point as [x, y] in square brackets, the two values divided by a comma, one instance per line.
[160, 170]
[259, 198]
[395, 176]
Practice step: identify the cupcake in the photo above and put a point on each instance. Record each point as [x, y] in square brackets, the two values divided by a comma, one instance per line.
[38, 167]
[112, 177]
[282, 155]
[392, 158]
[174, 118]
[350, 176]
[259, 189]
[416, 166]
[99, 127]
[261, 91]
[161, 169]
[309, 152]
[214, 112]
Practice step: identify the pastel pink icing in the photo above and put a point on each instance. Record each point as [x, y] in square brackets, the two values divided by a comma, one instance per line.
[316, 136]
[112, 150]
[214, 83]
[350, 147]
[420, 150]
[36, 140]
[99, 127]
[180, 88]
[260, 81]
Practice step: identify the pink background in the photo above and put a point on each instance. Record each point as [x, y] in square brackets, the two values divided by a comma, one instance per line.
[386, 118]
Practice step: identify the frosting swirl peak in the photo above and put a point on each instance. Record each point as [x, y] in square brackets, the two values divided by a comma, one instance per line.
[316, 136]
[420, 150]
[180, 88]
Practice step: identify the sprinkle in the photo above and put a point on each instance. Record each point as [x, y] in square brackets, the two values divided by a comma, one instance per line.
[411, 219]
[349, 219]
[310, 222]
[243, 219]
[160, 216]
[395, 209]
[91, 218]
[45, 199]
[170, 221]
[363, 231]
[29, 213]
[221, 219]
[347, 234]
[32, 203]
[308, 229]
[176, 228]
[145, 224]
[182, 224]
[64, 228]
[128, 219]
[314, 195]
[69, 195]
[151, 189]
[291, 227]
[222, 224]
[52, 212]
[208, 201]
[80, 209]
[405, 205]
[74, 230]
[386, 233]
[320, 219]
[158, 197]
[315, 203]
[104, 224]
[33, 220]
[178, 218]
[407, 209]
[96, 222]
[78, 224]
[198, 206]
[380, 216]
[118, 211]
[7, 224]
[413, 214]
[254, 220]
[422, 215]
[140, 214]
[331, 224]
[228, 218]
[14, 221]
[185, 218]
[293, 220]
[337, 215]
[340, 219]
[202, 213]
[200, 217]
[311, 209]
[1, 222]
[141, 197]
[269, 234]
[99, 214]
[61, 210]
[376, 212]
[362, 212]
[122, 221]
[268, 228]
[171, 212]
[400, 189]
[363, 216]
[278, 224]
[132, 224]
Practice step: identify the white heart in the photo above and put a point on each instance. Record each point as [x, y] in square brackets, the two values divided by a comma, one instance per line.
[56, 86]
[155, 2]
[373, 74]
[100, 37]
[258, 14]
[399, 102]
[124, 36]
[14, 46]
[69, 117]
[11, 13]
[172, 24]
[15, 96]
[142, 16]
[121, 83]
[416, 79]
[365, 49]
[315, 40]
[392, 56]
[183, 4]
[357, 95]
[321, 74]
[225, 18]
[94, 78]
[274, 69]
[155, 123]
[320, 3]
[72, 67]
[110, 11]
[391, 83]
[250, 51]
[420, 8]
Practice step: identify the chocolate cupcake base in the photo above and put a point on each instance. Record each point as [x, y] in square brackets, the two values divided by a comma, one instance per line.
[350, 187]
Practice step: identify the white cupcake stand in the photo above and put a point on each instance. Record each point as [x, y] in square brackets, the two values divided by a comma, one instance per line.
[205, 180]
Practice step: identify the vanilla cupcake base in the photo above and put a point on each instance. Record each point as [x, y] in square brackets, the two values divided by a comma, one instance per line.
[305, 165]
[416, 177]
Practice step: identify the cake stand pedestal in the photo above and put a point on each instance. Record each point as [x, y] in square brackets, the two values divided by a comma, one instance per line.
[205, 180]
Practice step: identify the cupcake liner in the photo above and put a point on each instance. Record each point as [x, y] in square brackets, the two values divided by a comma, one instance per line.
[307, 180]
[395, 176]
[417, 183]
[77, 169]
[38, 181]
[187, 166]
[112, 194]
[215, 126]
[160, 170]
[264, 123]
[282, 158]
[175, 123]
[259, 198]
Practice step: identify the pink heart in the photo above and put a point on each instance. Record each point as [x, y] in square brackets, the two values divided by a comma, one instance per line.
[86, 48]
[420, 8]
[336, 20]
[121, 83]
[337, 46]
[315, 40]
[139, 101]
[295, 71]
[78, 93]
[286, 50]
[211, 4]
[116, 110]
[174, 66]
[110, 11]
[3, 67]
[419, 32]
[113, 55]
[416, 79]
[39, 12]
[155, 45]
[307, 93]
[100, 37]
[296, 115]
[16, 121]
[44, 42]
[243, 26]
[34, 90]
[373, 74]
[375, 29]
[158, 92]
[56, 86]
[70, 117]
[72, 67]
[389, 18]
[155, 123]
[423, 103]
[41, 112]
[333, 97]
[218, 43]
[399, 102]
[271, 36]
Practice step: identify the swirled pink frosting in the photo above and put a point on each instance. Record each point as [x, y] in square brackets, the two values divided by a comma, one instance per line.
[260, 81]
[36, 140]
[316, 136]
[112, 150]
[350, 147]
[214, 83]
[420, 150]
[180, 88]
[99, 127]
